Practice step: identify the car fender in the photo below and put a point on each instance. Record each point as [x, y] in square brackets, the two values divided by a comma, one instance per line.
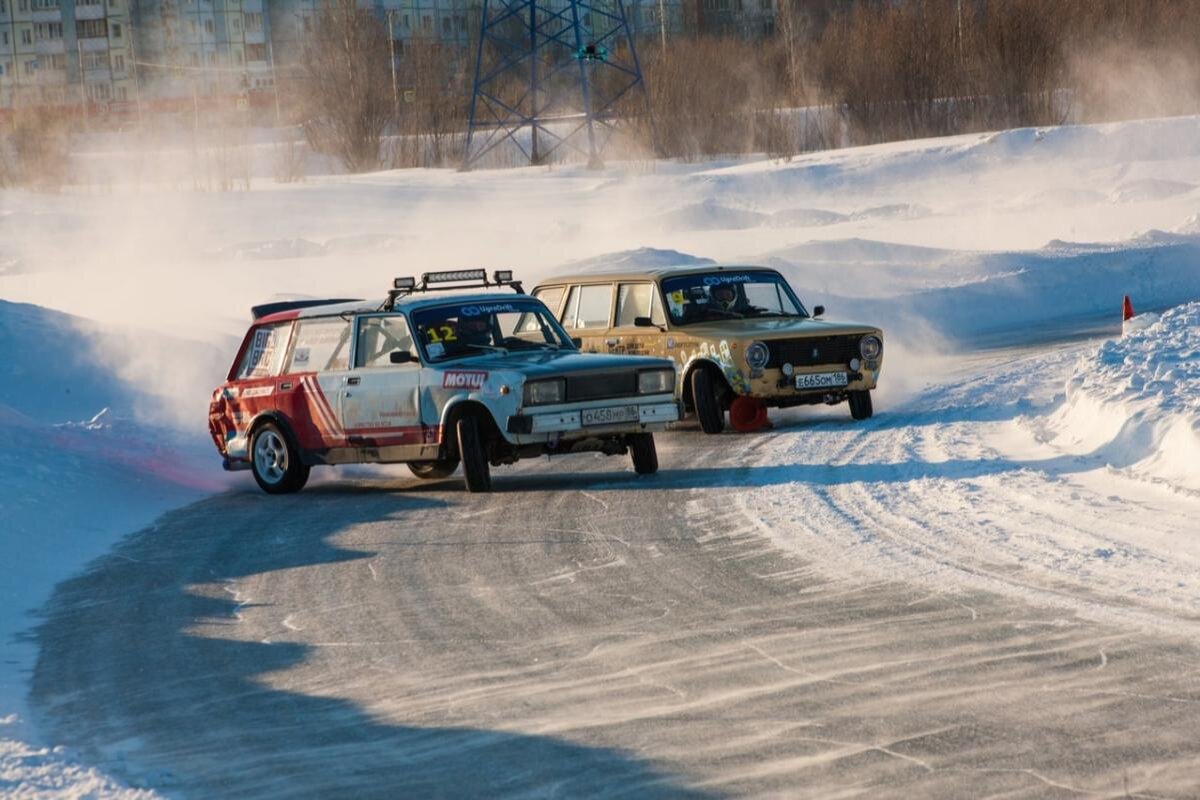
[239, 446]
[732, 376]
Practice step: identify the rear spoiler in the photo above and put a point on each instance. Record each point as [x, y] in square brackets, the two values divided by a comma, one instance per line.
[266, 309]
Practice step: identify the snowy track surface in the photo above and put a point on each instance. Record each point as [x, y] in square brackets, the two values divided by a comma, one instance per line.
[938, 603]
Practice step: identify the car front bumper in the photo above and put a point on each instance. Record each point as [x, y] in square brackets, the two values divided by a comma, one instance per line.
[566, 422]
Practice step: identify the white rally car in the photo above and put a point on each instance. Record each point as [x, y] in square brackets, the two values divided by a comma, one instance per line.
[480, 379]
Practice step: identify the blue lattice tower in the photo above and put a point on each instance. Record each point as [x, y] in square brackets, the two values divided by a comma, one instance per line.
[551, 75]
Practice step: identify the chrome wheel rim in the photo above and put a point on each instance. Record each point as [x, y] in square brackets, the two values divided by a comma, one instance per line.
[270, 456]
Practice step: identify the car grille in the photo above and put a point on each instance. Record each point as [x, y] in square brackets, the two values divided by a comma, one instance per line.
[813, 351]
[598, 386]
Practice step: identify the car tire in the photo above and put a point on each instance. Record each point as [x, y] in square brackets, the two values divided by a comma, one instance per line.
[433, 470]
[477, 474]
[643, 453]
[275, 461]
[860, 404]
[706, 402]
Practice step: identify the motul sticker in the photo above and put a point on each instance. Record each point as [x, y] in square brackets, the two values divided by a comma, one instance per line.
[460, 379]
[258, 391]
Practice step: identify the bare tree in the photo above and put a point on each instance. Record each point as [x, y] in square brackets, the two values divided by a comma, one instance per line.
[347, 91]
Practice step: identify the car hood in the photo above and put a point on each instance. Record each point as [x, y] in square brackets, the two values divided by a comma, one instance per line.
[546, 363]
[772, 328]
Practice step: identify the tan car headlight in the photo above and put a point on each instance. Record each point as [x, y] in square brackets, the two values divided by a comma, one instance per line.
[871, 347]
[542, 393]
[757, 355]
[656, 381]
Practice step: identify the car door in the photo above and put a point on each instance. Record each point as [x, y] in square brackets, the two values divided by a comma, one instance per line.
[587, 315]
[309, 389]
[380, 398]
[636, 299]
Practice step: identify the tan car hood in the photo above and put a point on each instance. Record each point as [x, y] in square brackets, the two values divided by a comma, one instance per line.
[771, 328]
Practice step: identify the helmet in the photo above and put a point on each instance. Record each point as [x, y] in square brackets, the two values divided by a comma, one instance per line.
[724, 294]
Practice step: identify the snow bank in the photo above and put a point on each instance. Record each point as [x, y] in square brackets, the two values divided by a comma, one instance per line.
[79, 467]
[1136, 401]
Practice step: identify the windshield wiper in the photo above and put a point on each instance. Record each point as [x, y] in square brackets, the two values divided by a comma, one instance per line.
[491, 348]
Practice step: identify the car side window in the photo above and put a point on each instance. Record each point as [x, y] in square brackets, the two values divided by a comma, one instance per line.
[320, 345]
[265, 354]
[551, 296]
[588, 306]
[379, 337]
[638, 300]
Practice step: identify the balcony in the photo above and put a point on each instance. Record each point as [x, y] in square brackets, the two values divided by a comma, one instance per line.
[89, 12]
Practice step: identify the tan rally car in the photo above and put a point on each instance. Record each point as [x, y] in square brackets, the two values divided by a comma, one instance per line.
[740, 338]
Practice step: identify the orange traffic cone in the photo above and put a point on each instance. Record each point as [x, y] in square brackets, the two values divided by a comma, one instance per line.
[1127, 310]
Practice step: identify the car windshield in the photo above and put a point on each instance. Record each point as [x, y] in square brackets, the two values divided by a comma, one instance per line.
[468, 329]
[713, 296]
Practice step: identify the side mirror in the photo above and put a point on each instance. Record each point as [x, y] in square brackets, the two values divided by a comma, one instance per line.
[643, 322]
[578, 342]
[818, 310]
[401, 357]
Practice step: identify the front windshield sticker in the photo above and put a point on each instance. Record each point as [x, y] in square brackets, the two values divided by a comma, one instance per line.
[436, 349]
[491, 308]
[717, 280]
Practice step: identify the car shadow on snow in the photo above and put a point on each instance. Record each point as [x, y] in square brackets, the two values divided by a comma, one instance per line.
[132, 675]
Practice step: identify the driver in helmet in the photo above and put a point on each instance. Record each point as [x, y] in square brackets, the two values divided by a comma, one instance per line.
[475, 330]
[725, 298]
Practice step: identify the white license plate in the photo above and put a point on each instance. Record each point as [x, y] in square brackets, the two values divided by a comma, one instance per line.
[610, 416]
[822, 380]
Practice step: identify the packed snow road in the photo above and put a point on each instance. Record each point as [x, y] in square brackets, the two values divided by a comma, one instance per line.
[941, 603]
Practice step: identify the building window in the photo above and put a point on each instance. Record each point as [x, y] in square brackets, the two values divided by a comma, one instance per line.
[427, 23]
[3, 6]
[116, 31]
[100, 92]
[237, 24]
[4, 38]
[254, 21]
[95, 60]
[256, 52]
[208, 26]
[118, 62]
[48, 30]
[30, 67]
[122, 93]
[306, 21]
[445, 25]
[91, 28]
[26, 36]
[238, 57]
[24, 5]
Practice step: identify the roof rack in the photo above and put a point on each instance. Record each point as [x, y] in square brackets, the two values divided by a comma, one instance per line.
[266, 309]
[456, 278]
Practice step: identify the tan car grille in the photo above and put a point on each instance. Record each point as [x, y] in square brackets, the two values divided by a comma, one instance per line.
[813, 351]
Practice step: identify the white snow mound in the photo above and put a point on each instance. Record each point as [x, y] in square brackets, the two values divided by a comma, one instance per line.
[1136, 401]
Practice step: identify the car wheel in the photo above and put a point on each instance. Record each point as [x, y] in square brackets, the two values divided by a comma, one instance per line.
[477, 473]
[276, 464]
[860, 404]
[643, 453]
[433, 470]
[706, 402]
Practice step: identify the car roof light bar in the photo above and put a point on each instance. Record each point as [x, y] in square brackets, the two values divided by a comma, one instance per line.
[453, 279]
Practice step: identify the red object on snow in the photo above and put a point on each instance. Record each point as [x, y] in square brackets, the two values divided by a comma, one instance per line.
[1127, 310]
[747, 414]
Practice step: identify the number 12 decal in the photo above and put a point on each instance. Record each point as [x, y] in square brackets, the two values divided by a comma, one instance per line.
[441, 333]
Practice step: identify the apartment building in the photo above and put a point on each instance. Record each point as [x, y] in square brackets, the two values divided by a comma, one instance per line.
[58, 52]
[202, 47]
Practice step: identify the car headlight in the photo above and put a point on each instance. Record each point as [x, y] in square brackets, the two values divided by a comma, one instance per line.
[871, 347]
[656, 381]
[541, 393]
[757, 355]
